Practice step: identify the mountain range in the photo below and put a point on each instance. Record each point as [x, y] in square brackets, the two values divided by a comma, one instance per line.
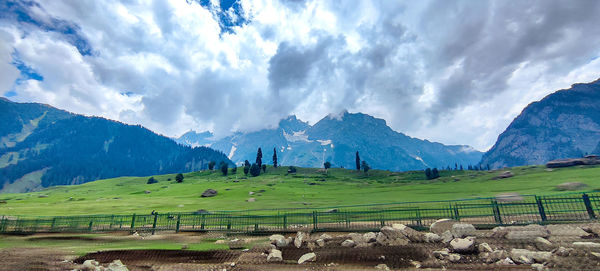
[564, 124]
[336, 138]
[41, 146]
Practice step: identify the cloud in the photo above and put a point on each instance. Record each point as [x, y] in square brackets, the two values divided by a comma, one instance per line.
[455, 72]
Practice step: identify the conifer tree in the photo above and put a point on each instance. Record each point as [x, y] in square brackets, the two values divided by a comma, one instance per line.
[274, 158]
[357, 161]
[259, 158]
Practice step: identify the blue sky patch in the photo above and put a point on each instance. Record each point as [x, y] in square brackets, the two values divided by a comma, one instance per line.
[27, 72]
[226, 21]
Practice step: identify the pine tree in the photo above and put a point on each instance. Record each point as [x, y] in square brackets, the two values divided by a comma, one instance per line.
[247, 163]
[224, 168]
[274, 158]
[246, 169]
[435, 173]
[357, 161]
[327, 165]
[254, 170]
[211, 165]
[259, 158]
[428, 173]
[365, 166]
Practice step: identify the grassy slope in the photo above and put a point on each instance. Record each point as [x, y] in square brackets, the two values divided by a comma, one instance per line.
[126, 195]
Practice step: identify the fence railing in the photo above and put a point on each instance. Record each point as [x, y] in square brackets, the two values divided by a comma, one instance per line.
[482, 212]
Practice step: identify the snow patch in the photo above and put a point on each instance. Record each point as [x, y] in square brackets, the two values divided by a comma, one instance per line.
[420, 159]
[232, 151]
[296, 136]
[324, 142]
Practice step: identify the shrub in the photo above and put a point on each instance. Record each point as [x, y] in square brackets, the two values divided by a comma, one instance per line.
[254, 170]
[246, 169]
[292, 169]
[151, 180]
[264, 168]
[211, 165]
[179, 178]
[224, 168]
[234, 170]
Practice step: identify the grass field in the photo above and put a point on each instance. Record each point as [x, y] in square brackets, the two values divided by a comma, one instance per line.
[306, 188]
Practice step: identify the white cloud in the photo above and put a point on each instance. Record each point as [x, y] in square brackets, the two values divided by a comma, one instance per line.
[455, 72]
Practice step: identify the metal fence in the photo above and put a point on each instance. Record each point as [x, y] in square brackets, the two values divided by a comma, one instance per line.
[481, 212]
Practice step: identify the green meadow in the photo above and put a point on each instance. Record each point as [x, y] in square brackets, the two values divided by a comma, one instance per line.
[307, 188]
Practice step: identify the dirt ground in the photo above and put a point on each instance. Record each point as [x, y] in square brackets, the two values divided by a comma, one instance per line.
[330, 257]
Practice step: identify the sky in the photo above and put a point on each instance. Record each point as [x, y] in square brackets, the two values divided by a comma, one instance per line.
[455, 72]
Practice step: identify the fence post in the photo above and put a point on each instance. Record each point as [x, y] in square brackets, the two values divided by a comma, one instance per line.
[132, 228]
[588, 206]
[540, 205]
[456, 214]
[177, 226]
[90, 225]
[497, 216]
[53, 224]
[203, 221]
[3, 225]
[315, 221]
[285, 222]
[418, 216]
[154, 224]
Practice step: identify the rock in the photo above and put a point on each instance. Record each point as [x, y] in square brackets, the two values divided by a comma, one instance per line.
[301, 237]
[506, 261]
[542, 243]
[504, 175]
[320, 242]
[147, 191]
[463, 245]
[409, 233]
[454, 258]
[447, 237]
[528, 232]
[331, 211]
[202, 211]
[370, 237]
[566, 230]
[90, 265]
[441, 254]
[42, 196]
[588, 160]
[308, 257]
[251, 200]
[571, 186]
[484, 247]
[415, 264]
[494, 256]
[442, 225]
[596, 255]
[586, 245]
[326, 237]
[235, 244]
[117, 265]
[528, 257]
[348, 243]
[220, 242]
[209, 193]
[274, 256]
[250, 193]
[462, 230]
[509, 197]
[563, 252]
[538, 267]
[431, 237]
[382, 266]
[392, 233]
[279, 240]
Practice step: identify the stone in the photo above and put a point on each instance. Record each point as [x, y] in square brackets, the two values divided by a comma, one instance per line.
[563, 252]
[392, 233]
[542, 244]
[117, 265]
[331, 211]
[235, 244]
[209, 193]
[494, 256]
[431, 237]
[348, 243]
[505, 261]
[462, 230]
[370, 237]
[586, 245]
[382, 266]
[538, 267]
[251, 200]
[528, 257]
[588, 160]
[308, 257]
[528, 232]
[250, 193]
[274, 256]
[463, 245]
[381, 239]
[320, 242]
[596, 255]
[571, 186]
[279, 240]
[454, 258]
[409, 233]
[415, 264]
[441, 254]
[90, 265]
[147, 192]
[326, 237]
[485, 247]
[447, 237]
[566, 230]
[301, 237]
[442, 225]
[357, 238]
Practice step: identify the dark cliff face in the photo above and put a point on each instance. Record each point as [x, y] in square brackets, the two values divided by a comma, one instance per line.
[564, 124]
[337, 138]
[42, 146]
